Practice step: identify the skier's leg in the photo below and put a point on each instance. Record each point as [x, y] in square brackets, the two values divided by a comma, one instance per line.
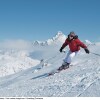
[68, 58]
[65, 63]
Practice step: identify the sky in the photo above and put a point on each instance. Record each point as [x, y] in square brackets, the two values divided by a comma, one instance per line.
[42, 19]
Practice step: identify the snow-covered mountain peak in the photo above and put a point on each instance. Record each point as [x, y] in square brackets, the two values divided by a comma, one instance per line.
[59, 34]
[59, 37]
[88, 42]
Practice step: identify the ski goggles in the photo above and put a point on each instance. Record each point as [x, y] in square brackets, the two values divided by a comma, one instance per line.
[70, 35]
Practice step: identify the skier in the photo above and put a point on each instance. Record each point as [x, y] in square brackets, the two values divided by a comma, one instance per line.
[74, 46]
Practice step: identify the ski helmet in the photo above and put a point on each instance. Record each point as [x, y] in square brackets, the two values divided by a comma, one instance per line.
[72, 33]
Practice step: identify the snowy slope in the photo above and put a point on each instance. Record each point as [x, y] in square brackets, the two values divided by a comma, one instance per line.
[81, 79]
[14, 61]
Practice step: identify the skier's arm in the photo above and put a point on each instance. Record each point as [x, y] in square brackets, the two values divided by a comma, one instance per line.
[64, 45]
[81, 44]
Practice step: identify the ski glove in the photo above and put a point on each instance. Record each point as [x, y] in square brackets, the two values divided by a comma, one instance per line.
[61, 49]
[86, 50]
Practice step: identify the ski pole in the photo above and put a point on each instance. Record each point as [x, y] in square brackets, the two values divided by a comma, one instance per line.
[54, 56]
[95, 53]
[51, 58]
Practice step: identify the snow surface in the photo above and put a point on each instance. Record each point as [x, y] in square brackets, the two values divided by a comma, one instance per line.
[23, 72]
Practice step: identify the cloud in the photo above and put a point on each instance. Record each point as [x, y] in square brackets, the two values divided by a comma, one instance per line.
[15, 44]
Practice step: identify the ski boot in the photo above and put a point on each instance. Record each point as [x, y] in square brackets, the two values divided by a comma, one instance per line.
[64, 66]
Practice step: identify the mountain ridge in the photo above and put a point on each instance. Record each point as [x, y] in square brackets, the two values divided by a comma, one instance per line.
[59, 37]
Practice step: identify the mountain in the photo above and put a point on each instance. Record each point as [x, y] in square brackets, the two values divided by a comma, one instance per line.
[87, 42]
[13, 61]
[60, 37]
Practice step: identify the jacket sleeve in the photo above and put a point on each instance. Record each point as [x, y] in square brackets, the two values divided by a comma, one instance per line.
[65, 43]
[81, 44]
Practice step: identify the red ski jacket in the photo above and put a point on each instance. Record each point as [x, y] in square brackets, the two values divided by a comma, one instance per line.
[74, 44]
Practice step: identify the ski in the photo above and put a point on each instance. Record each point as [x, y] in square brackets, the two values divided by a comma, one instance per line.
[50, 73]
[57, 71]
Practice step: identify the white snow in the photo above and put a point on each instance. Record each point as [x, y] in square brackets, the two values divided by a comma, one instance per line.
[23, 72]
[87, 41]
[14, 61]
